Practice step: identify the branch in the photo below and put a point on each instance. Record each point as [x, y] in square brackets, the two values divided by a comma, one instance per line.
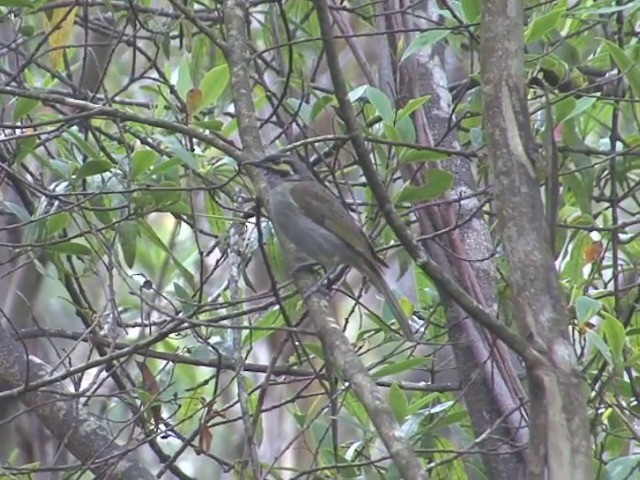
[560, 445]
[335, 342]
[87, 439]
[221, 363]
[339, 350]
[90, 109]
[428, 266]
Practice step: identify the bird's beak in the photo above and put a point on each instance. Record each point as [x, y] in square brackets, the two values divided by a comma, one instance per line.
[266, 160]
[254, 163]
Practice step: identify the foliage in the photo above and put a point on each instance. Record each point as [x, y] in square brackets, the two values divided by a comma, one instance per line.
[130, 203]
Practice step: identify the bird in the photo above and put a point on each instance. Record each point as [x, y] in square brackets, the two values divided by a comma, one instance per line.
[316, 223]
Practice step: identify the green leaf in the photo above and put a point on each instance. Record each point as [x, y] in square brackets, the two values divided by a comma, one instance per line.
[626, 65]
[355, 408]
[596, 341]
[273, 250]
[321, 436]
[452, 417]
[181, 292]
[17, 210]
[438, 182]
[320, 105]
[564, 109]
[190, 405]
[595, 9]
[231, 127]
[25, 146]
[141, 161]
[70, 248]
[573, 268]
[623, 467]
[399, 367]
[412, 105]
[586, 307]
[93, 167]
[550, 62]
[299, 108]
[182, 153]
[471, 10]
[186, 302]
[381, 103]
[315, 349]
[57, 222]
[16, 3]
[574, 183]
[168, 166]
[357, 93]
[151, 235]
[544, 24]
[128, 238]
[101, 205]
[388, 315]
[424, 40]
[265, 326]
[398, 402]
[200, 56]
[633, 331]
[184, 82]
[614, 333]
[168, 196]
[418, 403]
[413, 155]
[61, 168]
[579, 107]
[214, 215]
[23, 107]
[179, 208]
[213, 84]
[26, 30]
[84, 146]
[391, 133]
[406, 129]
[476, 135]
[300, 418]
[210, 125]
[438, 407]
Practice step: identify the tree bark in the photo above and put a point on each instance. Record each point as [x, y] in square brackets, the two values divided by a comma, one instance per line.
[492, 390]
[559, 445]
[87, 439]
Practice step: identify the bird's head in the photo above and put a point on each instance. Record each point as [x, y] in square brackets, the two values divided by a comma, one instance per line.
[283, 166]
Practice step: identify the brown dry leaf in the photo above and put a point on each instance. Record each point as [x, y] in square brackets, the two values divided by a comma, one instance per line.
[204, 439]
[150, 386]
[194, 99]
[593, 252]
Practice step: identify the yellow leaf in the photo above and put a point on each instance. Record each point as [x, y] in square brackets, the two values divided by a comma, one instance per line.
[59, 24]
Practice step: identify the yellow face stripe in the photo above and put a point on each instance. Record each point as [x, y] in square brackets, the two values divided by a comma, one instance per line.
[282, 168]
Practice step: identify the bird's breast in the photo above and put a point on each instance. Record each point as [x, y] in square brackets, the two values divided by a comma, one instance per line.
[306, 235]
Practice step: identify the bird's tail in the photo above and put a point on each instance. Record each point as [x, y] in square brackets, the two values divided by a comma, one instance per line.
[382, 286]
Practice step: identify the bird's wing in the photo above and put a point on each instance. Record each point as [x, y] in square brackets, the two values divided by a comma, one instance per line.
[322, 207]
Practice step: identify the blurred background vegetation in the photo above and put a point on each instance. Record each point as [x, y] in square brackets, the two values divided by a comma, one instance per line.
[136, 264]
